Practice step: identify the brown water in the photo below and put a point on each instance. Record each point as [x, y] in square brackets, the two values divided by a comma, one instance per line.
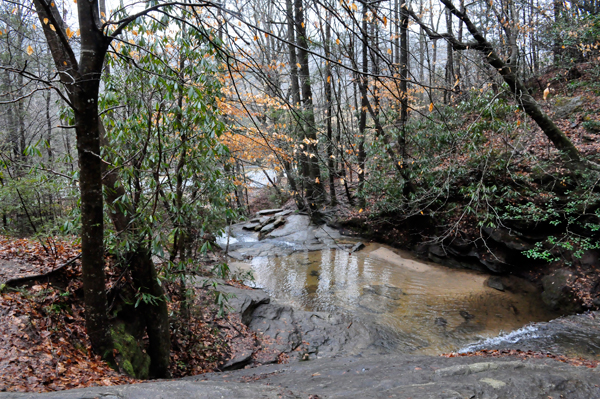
[433, 309]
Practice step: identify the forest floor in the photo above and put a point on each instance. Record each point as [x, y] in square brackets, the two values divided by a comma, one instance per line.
[43, 343]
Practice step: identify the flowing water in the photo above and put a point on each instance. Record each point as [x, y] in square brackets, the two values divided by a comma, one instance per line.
[433, 309]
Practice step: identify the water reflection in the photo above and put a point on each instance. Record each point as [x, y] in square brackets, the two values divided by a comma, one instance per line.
[435, 309]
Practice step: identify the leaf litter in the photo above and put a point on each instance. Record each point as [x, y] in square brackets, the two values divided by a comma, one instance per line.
[43, 343]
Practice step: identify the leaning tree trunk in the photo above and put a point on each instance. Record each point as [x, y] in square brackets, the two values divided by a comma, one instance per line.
[509, 74]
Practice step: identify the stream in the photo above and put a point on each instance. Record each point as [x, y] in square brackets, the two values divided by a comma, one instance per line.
[433, 309]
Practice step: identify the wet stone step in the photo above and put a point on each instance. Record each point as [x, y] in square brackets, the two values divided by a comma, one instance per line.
[268, 211]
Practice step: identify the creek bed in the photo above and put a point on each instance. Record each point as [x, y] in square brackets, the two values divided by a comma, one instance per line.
[434, 309]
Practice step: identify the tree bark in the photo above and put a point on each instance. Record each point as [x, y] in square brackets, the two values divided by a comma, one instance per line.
[295, 102]
[329, 111]
[363, 84]
[403, 76]
[315, 195]
[81, 80]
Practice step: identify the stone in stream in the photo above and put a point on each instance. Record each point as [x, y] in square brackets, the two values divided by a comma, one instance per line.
[495, 283]
[268, 211]
[466, 315]
[250, 226]
[264, 221]
[375, 304]
[558, 291]
[440, 321]
[380, 298]
[268, 228]
[242, 301]
[388, 291]
[357, 247]
[283, 213]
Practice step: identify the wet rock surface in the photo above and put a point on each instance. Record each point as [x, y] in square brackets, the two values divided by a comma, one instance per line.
[279, 233]
[305, 335]
[299, 334]
[398, 376]
[558, 292]
[572, 336]
[240, 300]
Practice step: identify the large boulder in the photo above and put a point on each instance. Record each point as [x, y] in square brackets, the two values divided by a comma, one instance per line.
[565, 107]
[558, 292]
[240, 300]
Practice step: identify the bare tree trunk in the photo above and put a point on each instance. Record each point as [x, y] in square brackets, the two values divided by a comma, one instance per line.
[422, 49]
[295, 100]
[329, 112]
[315, 195]
[362, 123]
[403, 76]
[48, 126]
[449, 61]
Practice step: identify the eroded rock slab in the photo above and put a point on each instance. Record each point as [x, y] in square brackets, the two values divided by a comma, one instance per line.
[395, 376]
[279, 234]
[307, 335]
[182, 389]
[242, 301]
[268, 211]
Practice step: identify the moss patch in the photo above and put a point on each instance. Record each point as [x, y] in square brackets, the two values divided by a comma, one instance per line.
[131, 358]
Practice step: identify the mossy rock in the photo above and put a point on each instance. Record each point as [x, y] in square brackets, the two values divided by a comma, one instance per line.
[131, 358]
[566, 106]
